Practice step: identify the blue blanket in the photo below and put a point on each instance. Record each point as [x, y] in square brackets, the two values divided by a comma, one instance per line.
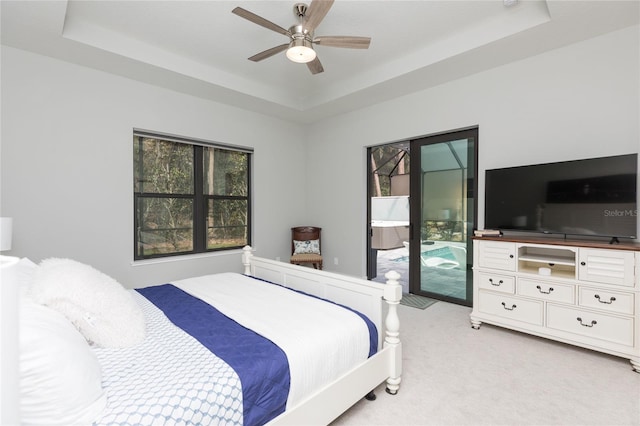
[261, 365]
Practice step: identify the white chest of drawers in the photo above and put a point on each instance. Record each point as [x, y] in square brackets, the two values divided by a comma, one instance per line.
[587, 294]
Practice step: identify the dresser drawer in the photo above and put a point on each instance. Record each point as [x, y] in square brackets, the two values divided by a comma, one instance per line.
[551, 291]
[495, 282]
[610, 301]
[529, 311]
[590, 324]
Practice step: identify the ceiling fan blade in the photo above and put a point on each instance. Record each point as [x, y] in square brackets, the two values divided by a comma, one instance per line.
[315, 13]
[269, 52]
[250, 16]
[348, 42]
[315, 66]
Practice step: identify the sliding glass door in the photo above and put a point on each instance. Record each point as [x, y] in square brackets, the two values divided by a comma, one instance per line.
[443, 215]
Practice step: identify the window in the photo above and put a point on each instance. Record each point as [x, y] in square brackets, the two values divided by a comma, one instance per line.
[189, 196]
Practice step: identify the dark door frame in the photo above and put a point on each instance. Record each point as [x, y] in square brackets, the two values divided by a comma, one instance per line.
[415, 208]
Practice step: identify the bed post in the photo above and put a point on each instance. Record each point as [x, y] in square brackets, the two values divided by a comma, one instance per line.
[9, 359]
[392, 295]
[246, 259]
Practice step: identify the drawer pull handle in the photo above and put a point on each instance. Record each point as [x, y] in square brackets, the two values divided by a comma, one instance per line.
[492, 283]
[544, 292]
[504, 305]
[594, 322]
[611, 299]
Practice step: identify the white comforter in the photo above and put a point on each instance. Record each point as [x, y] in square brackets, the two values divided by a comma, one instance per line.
[309, 330]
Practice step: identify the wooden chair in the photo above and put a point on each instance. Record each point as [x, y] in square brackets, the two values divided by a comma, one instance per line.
[305, 246]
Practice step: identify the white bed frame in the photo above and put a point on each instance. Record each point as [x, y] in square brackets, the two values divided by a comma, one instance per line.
[9, 347]
[321, 408]
[367, 297]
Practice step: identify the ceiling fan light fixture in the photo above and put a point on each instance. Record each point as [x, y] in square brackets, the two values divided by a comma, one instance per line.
[299, 47]
[300, 51]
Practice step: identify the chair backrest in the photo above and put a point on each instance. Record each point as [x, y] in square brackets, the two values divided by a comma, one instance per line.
[305, 233]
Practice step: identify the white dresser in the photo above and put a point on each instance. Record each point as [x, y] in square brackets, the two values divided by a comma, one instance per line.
[578, 292]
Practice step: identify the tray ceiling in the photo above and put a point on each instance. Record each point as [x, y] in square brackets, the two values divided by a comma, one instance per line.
[201, 48]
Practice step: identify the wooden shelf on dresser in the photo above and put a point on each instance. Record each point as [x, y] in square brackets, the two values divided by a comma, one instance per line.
[584, 293]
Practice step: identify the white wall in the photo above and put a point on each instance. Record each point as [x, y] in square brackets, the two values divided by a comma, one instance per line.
[67, 167]
[580, 101]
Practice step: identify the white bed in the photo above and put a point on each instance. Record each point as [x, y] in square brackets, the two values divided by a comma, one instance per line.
[319, 403]
[364, 296]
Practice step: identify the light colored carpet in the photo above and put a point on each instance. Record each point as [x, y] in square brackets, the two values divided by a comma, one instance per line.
[455, 375]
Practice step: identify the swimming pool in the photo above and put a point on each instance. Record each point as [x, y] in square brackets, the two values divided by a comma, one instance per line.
[441, 252]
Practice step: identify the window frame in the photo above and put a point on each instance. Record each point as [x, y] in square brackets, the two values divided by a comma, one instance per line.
[200, 200]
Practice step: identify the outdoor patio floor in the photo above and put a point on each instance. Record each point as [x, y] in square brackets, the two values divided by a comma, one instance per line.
[449, 282]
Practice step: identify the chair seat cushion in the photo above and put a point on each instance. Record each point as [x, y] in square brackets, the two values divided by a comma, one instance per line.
[307, 257]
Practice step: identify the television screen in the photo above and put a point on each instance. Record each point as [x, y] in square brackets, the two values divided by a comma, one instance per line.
[595, 197]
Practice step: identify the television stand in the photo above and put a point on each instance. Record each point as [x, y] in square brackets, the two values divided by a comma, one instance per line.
[584, 293]
[614, 240]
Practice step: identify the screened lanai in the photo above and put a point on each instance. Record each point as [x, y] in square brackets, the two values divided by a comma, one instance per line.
[440, 198]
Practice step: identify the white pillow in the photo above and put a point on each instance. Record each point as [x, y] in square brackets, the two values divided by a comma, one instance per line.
[60, 377]
[104, 312]
[306, 247]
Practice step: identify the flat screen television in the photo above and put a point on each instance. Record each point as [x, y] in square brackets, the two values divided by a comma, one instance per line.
[594, 197]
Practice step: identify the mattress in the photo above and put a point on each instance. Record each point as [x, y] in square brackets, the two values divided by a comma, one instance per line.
[208, 337]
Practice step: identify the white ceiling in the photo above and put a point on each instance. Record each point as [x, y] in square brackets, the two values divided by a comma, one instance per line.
[201, 48]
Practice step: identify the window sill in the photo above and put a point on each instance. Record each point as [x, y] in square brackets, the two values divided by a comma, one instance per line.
[185, 257]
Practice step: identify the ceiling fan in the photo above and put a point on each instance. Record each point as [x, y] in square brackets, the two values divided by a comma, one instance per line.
[300, 46]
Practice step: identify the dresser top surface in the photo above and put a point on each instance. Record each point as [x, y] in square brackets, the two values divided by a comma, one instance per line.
[631, 246]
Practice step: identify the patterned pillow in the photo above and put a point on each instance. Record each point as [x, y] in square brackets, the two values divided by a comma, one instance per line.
[306, 247]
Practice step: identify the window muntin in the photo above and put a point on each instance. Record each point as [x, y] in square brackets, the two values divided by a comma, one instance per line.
[189, 198]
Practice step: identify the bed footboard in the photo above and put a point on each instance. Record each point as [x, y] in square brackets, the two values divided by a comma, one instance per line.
[365, 296]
